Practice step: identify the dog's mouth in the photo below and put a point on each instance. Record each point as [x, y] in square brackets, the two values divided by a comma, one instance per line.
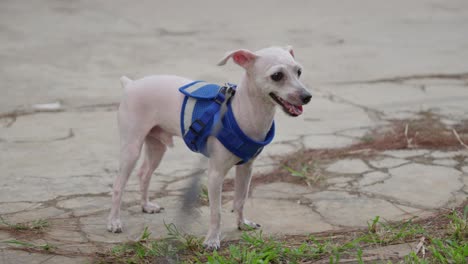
[288, 108]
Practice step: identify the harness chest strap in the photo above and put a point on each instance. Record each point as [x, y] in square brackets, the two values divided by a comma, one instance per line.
[236, 141]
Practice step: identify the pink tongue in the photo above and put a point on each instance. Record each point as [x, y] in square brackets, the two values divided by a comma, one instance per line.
[295, 110]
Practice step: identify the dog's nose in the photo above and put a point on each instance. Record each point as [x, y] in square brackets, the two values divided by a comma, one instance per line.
[306, 98]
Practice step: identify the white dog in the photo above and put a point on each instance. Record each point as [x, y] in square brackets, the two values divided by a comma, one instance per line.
[150, 114]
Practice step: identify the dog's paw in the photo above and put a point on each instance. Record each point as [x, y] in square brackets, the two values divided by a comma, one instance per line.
[114, 226]
[212, 244]
[151, 208]
[247, 225]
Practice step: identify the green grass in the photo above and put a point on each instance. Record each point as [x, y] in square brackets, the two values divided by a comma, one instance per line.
[445, 242]
[24, 244]
[308, 173]
[298, 173]
[203, 194]
[367, 138]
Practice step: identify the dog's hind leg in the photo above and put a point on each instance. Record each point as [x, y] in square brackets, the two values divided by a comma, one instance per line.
[241, 186]
[130, 152]
[131, 142]
[154, 150]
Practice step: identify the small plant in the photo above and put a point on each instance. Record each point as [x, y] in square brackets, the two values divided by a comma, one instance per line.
[46, 247]
[203, 195]
[145, 235]
[39, 224]
[449, 251]
[359, 256]
[187, 241]
[372, 227]
[459, 225]
[301, 174]
[367, 138]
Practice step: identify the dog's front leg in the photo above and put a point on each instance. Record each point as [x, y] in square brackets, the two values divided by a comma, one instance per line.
[215, 186]
[242, 183]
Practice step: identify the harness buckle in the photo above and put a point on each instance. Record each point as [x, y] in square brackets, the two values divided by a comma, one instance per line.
[200, 124]
[225, 93]
[220, 97]
[230, 89]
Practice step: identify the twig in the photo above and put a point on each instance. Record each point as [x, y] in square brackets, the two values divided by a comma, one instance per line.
[459, 139]
[421, 246]
[408, 140]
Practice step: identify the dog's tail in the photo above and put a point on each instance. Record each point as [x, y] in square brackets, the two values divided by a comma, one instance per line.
[124, 80]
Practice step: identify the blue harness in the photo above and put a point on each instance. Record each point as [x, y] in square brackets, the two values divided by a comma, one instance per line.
[201, 113]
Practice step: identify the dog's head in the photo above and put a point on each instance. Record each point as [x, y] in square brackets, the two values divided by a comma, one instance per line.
[276, 74]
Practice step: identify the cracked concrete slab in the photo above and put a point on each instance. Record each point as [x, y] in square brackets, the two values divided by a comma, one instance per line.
[43, 213]
[280, 190]
[465, 185]
[348, 166]
[465, 169]
[287, 215]
[335, 180]
[19, 257]
[85, 205]
[373, 178]
[442, 98]
[326, 141]
[387, 162]
[449, 154]
[8, 208]
[406, 153]
[358, 210]
[423, 185]
[446, 162]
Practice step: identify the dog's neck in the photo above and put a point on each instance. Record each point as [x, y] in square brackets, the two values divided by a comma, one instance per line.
[253, 111]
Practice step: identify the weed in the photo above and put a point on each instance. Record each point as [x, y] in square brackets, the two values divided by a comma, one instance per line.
[449, 251]
[187, 241]
[301, 174]
[46, 246]
[359, 256]
[203, 195]
[367, 138]
[372, 227]
[307, 172]
[458, 226]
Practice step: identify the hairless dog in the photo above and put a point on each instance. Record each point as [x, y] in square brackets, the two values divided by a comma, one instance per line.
[149, 115]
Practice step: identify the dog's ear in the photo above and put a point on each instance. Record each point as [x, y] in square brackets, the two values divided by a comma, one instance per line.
[290, 50]
[241, 57]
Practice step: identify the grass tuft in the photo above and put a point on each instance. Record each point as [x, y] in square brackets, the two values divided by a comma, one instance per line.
[45, 247]
[203, 195]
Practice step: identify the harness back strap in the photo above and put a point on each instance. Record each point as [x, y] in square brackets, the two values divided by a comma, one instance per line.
[195, 136]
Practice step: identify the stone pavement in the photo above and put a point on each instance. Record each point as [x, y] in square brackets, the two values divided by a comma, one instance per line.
[366, 63]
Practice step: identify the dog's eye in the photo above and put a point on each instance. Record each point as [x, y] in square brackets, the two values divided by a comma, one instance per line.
[299, 72]
[277, 76]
